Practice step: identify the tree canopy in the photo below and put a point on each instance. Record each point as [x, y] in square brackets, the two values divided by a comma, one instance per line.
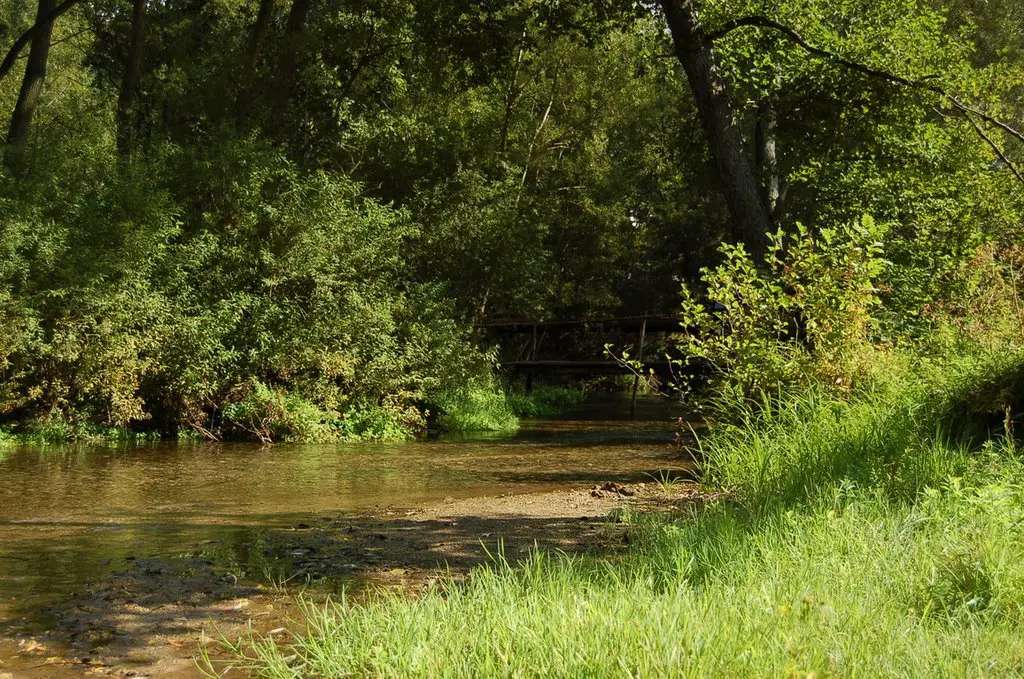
[308, 204]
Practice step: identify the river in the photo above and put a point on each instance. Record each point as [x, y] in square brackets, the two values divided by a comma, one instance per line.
[72, 516]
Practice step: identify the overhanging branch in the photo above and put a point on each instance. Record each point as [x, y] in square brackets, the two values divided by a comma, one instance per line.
[796, 38]
[998, 151]
[925, 84]
[25, 38]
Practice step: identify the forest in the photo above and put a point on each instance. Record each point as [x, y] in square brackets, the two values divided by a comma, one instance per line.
[294, 221]
[220, 213]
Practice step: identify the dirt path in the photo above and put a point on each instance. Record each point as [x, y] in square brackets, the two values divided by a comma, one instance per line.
[150, 619]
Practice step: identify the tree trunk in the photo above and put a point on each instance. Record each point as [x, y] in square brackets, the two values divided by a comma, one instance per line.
[126, 123]
[250, 59]
[735, 170]
[767, 154]
[291, 50]
[31, 84]
[26, 38]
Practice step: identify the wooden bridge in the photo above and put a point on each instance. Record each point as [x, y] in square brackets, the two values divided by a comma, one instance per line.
[629, 332]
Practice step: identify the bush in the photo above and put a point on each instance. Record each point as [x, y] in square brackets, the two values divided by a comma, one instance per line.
[804, 316]
[224, 290]
[476, 407]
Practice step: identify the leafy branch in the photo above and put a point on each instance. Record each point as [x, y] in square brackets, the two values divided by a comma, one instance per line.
[925, 83]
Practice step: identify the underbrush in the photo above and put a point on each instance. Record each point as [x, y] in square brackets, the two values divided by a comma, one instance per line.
[57, 429]
[476, 408]
[269, 415]
[545, 401]
[262, 413]
[864, 536]
[484, 407]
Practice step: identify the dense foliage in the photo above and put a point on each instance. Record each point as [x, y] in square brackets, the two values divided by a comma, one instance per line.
[282, 220]
[293, 220]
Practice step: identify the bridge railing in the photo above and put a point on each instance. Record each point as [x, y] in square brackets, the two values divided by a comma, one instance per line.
[638, 325]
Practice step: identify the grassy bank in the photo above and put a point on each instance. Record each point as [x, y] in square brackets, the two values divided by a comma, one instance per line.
[866, 536]
[57, 431]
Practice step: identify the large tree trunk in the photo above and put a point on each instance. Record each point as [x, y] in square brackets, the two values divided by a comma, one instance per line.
[126, 123]
[739, 181]
[288, 64]
[26, 38]
[31, 84]
[250, 59]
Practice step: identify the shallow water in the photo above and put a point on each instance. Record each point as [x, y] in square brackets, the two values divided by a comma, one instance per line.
[68, 515]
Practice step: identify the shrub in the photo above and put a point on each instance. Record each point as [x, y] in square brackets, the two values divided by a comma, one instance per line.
[478, 406]
[804, 315]
[226, 290]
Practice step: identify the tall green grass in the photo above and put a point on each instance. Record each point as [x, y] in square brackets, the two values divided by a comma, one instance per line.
[477, 408]
[866, 538]
[858, 587]
[545, 401]
[910, 425]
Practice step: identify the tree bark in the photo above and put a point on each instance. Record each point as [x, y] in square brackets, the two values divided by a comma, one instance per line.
[126, 123]
[250, 59]
[767, 152]
[31, 84]
[742, 190]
